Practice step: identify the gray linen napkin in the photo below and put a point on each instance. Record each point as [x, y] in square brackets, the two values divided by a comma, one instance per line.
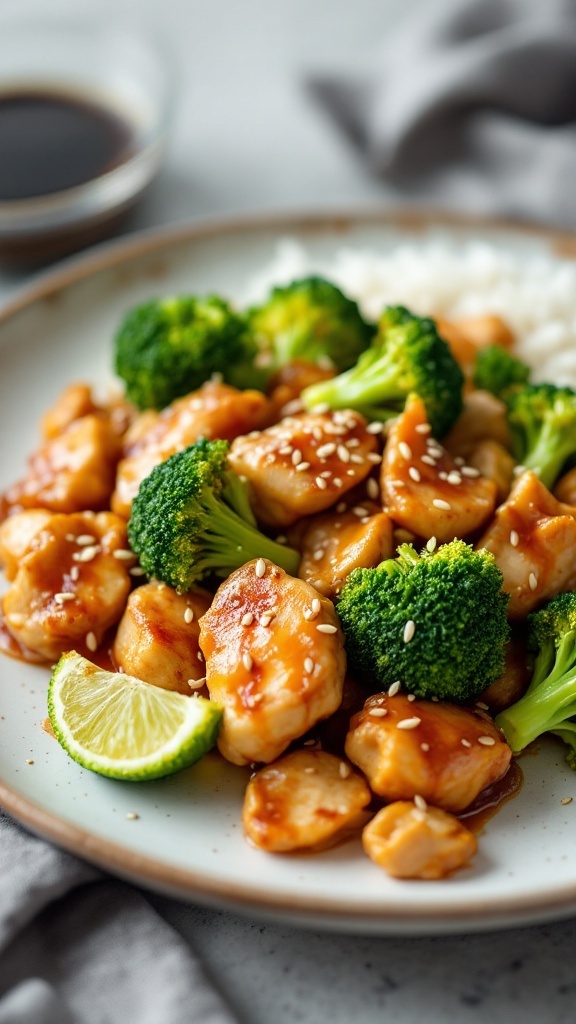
[77, 948]
[472, 103]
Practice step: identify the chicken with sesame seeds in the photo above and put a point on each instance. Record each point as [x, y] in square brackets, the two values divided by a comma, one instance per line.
[533, 539]
[214, 411]
[72, 472]
[157, 637]
[335, 544]
[275, 661]
[303, 464]
[424, 489]
[71, 584]
[411, 840]
[304, 799]
[444, 753]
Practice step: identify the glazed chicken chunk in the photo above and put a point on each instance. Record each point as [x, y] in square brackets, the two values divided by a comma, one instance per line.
[425, 490]
[73, 471]
[443, 753]
[157, 637]
[71, 585]
[533, 539]
[334, 544]
[302, 800]
[274, 659]
[304, 464]
[214, 411]
[411, 841]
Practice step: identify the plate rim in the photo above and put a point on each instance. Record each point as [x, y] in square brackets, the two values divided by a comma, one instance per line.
[189, 884]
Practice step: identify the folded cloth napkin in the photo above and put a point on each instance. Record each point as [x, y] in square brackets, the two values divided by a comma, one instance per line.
[79, 948]
[472, 103]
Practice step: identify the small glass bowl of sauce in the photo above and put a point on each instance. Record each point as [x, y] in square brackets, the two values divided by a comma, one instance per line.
[85, 107]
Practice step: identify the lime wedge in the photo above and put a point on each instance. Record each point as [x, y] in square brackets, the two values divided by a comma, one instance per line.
[121, 727]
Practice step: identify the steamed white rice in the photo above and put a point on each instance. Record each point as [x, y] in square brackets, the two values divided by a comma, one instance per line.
[535, 295]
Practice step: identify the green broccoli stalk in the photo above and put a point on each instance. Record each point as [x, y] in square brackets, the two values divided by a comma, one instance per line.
[496, 370]
[407, 355]
[309, 319]
[168, 347]
[549, 703]
[191, 518]
[542, 421]
[436, 622]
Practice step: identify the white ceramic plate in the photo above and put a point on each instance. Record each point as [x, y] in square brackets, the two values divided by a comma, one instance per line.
[188, 840]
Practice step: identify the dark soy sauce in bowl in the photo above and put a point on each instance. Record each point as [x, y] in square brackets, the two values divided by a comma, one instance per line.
[51, 141]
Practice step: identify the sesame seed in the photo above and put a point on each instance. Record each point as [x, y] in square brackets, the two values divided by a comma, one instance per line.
[189, 615]
[316, 606]
[200, 656]
[442, 475]
[465, 743]
[422, 428]
[302, 467]
[405, 450]
[75, 573]
[486, 741]
[358, 460]
[62, 597]
[454, 477]
[325, 450]
[326, 627]
[514, 538]
[374, 458]
[337, 481]
[123, 554]
[136, 570]
[84, 539]
[321, 408]
[309, 743]
[372, 489]
[533, 581]
[420, 802]
[286, 450]
[411, 697]
[566, 800]
[431, 544]
[375, 427]
[132, 816]
[308, 666]
[378, 712]
[310, 770]
[71, 537]
[343, 453]
[266, 619]
[260, 567]
[414, 474]
[196, 684]
[428, 460]
[326, 474]
[87, 554]
[91, 641]
[247, 661]
[409, 630]
[440, 503]
[318, 554]
[425, 747]
[341, 507]
[29, 760]
[470, 471]
[247, 619]
[320, 483]
[360, 511]
[480, 704]
[409, 723]
[394, 688]
[296, 456]
[344, 770]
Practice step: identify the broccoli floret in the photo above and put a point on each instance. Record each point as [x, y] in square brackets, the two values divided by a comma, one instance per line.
[407, 355]
[436, 622]
[542, 420]
[495, 370]
[168, 347]
[549, 703]
[309, 319]
[191, 518]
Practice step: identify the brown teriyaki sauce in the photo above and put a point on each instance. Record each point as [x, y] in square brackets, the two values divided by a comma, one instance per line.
[52, 140]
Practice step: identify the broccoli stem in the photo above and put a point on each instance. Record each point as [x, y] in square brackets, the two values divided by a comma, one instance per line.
[549, 451]
[548, 701]
[231, 542]
[362, 386]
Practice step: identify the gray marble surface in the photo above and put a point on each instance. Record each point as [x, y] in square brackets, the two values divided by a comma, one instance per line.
[246, 138]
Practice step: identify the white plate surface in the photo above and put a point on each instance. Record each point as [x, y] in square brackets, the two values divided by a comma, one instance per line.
[188, 838]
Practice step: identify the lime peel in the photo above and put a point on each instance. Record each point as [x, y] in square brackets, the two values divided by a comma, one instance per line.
[121, 727]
